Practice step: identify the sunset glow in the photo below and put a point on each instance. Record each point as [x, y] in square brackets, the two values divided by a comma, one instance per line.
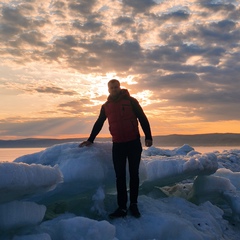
[180, 59]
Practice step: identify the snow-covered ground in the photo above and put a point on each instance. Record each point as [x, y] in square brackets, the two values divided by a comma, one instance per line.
[66, 192]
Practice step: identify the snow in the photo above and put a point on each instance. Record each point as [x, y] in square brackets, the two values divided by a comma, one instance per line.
[66, 192]
[28, 213]
[20, 179]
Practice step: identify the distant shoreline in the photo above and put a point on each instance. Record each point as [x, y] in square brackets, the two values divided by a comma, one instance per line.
[214, 139]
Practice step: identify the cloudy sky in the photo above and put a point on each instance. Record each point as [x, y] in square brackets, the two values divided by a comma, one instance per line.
[180, 59]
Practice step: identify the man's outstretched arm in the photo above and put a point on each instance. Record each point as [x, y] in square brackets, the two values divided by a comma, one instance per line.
[96, 129]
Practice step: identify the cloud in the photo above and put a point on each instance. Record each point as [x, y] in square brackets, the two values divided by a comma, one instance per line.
[89, 26]
[14, 16]
[122, 21]
[48, 127]
[186, 53]
[107, 55]
[176, 15]
[55, 90]
[79, 107]
[217, 5]
[82, 7]
[139, 5]
[32, 38]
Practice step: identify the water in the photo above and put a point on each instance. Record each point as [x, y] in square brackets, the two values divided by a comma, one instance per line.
[215, 148]
[10, 154]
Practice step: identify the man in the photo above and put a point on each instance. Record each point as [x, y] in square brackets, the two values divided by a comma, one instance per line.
[123, 113]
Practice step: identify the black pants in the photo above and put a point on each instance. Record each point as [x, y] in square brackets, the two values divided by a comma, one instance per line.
[121, 152]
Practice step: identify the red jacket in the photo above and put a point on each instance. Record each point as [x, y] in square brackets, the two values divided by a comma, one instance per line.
[123, 114]
[123, 124]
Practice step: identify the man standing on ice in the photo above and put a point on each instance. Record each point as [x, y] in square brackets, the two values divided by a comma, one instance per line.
[123, 113]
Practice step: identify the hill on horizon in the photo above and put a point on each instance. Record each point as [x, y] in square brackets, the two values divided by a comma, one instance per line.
[212, 139]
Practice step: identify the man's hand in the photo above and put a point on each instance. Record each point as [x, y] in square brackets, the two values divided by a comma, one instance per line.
[85, 143]
[148, 143]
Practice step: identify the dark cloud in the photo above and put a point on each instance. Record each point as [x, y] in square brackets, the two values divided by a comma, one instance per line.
[215, 113]
[139, 5]
[89, 26]
[58, 4]
[217, 6]
[75, 104]
[225, 25]
[14, 16]
[121, 21]
[82, 7]
[12, 23]
[55, 90]
[210, 35]
[172, 83]
[58, 8]
[78, 107]
[17, 23]
[179, 15]
[234, 15]
[7, 31]
[64, 42]
[108, 55]
[180, 80]
[33, 38]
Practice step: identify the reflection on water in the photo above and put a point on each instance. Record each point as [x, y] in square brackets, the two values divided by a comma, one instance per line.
[10, 154]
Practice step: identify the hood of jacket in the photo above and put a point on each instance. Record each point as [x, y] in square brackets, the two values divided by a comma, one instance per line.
[123, 94]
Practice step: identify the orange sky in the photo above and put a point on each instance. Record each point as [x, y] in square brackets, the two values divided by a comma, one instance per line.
[179, 59]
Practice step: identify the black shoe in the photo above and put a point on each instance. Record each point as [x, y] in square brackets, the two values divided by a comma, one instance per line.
[134, 210]
[120, 212]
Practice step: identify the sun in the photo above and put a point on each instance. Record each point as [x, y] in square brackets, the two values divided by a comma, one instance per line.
[98, 88]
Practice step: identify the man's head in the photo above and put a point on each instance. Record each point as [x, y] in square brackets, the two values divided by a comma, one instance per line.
[114, 87]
